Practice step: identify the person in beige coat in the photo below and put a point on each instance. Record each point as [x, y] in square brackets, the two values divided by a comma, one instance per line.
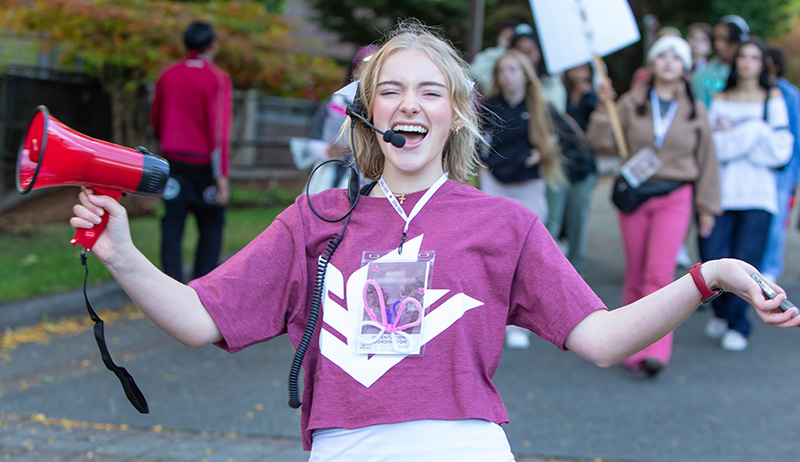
[663, 124]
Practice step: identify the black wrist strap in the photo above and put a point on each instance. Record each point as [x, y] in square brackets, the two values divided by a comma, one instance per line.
[133, 393]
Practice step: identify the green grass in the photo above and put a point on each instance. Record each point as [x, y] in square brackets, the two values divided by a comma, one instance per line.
[40, 260]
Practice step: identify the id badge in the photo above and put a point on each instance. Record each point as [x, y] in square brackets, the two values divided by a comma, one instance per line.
[392, 312]
[639, 168]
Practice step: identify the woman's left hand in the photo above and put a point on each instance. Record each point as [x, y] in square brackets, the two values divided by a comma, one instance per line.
[733, 275]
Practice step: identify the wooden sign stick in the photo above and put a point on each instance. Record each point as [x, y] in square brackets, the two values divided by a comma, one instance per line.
[611, 108]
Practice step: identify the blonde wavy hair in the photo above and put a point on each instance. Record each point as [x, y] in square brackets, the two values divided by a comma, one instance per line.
[541, 131]
[459, 154]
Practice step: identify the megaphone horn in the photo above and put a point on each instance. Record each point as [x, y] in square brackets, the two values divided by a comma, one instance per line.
[52, 154]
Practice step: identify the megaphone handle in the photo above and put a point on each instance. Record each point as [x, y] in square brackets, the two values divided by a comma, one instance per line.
[87, 237]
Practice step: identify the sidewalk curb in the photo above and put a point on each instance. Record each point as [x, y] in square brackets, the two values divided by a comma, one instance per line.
[104, 295]
[30, 311]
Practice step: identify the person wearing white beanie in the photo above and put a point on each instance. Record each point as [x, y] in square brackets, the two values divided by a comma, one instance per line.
[677, 45]
[663, 124]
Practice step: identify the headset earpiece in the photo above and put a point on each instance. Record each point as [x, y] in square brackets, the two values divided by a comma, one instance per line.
[353, 186]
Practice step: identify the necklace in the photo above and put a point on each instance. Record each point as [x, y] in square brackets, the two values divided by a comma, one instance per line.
[417, 207]
[402, 196]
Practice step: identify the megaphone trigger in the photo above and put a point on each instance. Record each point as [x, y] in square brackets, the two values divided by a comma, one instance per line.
[87, 237]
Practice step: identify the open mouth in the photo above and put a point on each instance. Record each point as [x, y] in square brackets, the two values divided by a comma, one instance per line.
[412, 133]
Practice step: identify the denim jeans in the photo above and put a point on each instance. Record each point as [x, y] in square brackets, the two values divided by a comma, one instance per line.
[570, 206]
[776, 242]
[738, 234]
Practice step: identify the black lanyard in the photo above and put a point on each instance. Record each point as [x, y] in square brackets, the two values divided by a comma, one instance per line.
[133, 393]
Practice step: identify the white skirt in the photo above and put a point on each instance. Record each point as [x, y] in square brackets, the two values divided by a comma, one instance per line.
[469, 440]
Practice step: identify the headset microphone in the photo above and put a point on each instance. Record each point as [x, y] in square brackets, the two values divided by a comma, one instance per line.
[389, 136]
[396, 139]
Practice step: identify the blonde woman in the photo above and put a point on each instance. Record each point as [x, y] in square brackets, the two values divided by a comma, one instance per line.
[524, 153]
[495, 263]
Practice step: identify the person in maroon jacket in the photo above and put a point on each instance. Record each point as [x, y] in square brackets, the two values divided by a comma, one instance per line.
[191, 118]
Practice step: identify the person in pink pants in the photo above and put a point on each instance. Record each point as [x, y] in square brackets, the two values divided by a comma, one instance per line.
[651, 237]
[661, 122]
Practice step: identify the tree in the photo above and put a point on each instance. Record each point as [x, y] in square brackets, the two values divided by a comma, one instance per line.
[273, 6]
[766, 18]
[126, 43]
[363, 21]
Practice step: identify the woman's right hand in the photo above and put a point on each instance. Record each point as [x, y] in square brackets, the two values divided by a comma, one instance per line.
[605, 92]
[705, 224]
[115, 240]
[533, 159]
[172, 306]
[724, 123]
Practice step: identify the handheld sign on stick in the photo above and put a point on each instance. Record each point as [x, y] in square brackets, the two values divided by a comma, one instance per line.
[574, 32]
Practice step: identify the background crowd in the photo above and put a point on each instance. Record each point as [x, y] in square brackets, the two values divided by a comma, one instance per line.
[711, 126]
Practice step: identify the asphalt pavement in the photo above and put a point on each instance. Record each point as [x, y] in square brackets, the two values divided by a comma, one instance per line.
[59, 403]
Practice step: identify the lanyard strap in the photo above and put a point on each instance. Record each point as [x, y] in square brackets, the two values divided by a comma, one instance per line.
[417, 207]
[661, 125]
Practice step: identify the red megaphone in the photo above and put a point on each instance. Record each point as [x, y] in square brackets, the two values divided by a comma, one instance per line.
[52, 154]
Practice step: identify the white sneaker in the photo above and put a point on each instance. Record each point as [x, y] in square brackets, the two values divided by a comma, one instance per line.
[734, 341]
[517, 339]
[716, 327]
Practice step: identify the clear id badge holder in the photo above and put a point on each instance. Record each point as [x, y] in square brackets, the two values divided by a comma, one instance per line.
[639, 168]
[392, 309]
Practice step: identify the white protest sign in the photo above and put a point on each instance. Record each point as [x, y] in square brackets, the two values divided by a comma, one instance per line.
[567, 40]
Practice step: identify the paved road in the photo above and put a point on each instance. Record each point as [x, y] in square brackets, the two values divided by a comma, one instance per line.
[58, 402]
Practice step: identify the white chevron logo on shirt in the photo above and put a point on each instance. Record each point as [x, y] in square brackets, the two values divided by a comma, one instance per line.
[364, 368]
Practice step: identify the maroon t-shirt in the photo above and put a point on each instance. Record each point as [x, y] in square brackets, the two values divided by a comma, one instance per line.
[495, 264]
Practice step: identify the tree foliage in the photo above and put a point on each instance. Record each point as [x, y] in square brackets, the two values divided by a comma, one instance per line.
[766, 18]
[273, 6]
[363, 21]
[790, 44]
[126, 43]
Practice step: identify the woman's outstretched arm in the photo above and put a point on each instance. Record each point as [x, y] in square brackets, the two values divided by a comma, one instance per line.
[172, 306]
[607, 337]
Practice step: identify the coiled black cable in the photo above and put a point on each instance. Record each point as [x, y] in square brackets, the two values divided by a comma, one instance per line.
[311, 325]
[319, 280]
